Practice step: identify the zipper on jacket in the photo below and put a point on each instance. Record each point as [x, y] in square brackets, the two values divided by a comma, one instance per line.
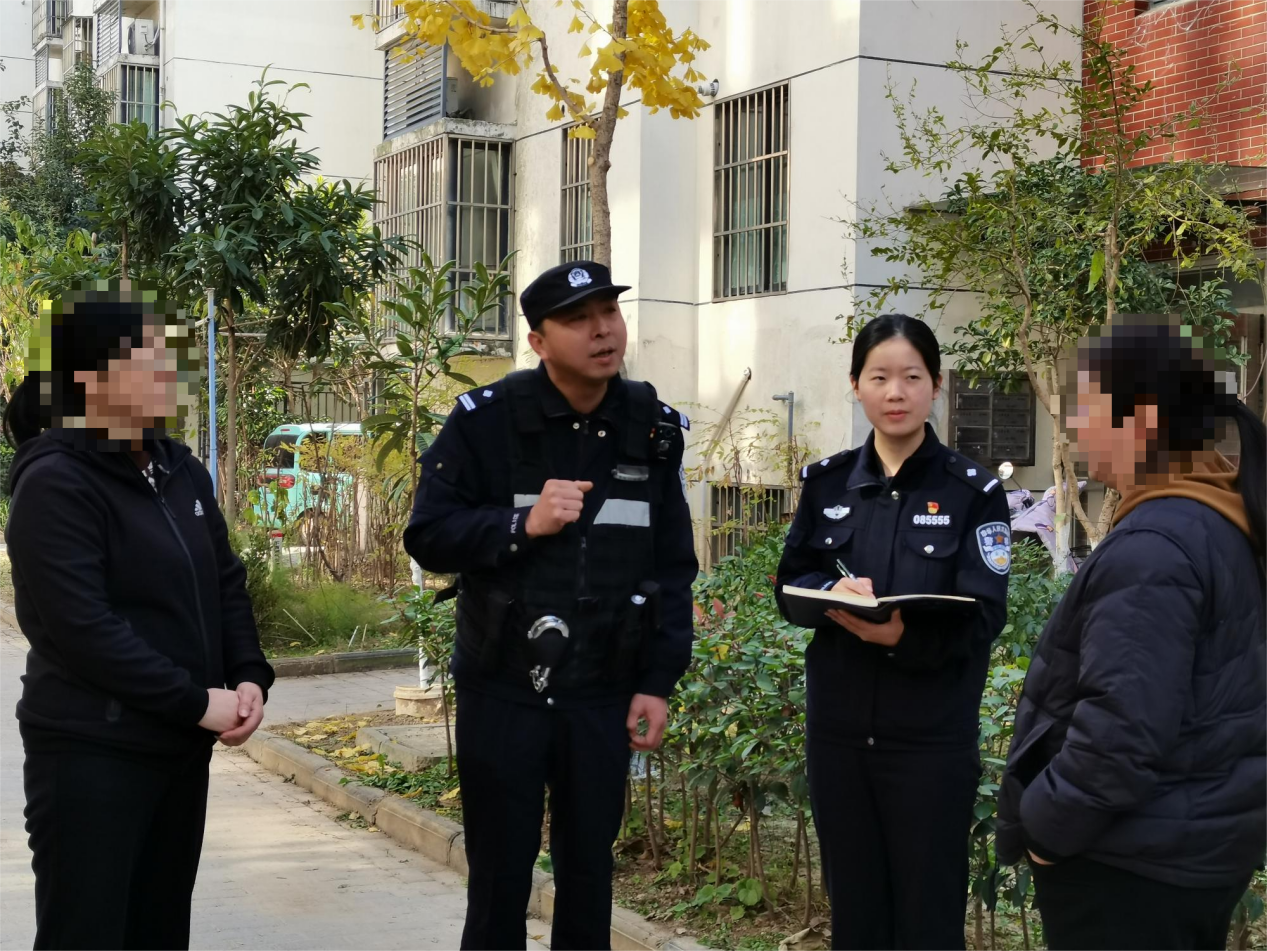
[193, 571]
[584, 572]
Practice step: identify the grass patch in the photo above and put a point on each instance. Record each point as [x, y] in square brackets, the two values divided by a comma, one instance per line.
[327, 618]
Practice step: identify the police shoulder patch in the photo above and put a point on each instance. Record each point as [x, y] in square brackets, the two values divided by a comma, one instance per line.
[669, 415]
[474, 399]
[994, 541]
[826, 465]
[978, 476]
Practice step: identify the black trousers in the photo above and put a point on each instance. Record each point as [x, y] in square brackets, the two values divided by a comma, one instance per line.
[1086, 904]
[893, 828]
[116, 842]
[508, 754]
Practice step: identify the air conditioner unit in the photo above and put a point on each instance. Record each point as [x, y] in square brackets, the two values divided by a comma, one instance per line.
[142, 36]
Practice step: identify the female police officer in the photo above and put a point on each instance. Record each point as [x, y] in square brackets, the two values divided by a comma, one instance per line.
[893, 707]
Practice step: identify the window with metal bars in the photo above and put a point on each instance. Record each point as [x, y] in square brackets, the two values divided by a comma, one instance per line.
[109, 36]
[41, 67]
[990, 424]
[138, 94]
[44, 107]
[387, 12]
[576, 232]
[750, 194]
[413, 86]
[454, 195]
[46, 18]
[739, 510]
[77, 41]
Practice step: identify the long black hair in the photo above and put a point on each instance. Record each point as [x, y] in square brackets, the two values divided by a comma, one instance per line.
[1148, 359]
[885, 328]
[83, 332]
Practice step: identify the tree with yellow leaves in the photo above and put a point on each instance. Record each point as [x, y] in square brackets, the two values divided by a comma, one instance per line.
[637, 49]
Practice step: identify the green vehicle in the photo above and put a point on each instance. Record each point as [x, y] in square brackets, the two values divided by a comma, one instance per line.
[287, 493]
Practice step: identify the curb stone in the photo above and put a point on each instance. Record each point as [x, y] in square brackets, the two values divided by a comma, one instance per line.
[436, 837]
[344, 663]
[9, 616]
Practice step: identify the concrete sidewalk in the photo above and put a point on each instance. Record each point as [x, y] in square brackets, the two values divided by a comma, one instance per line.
[278, 870]
[307, 698]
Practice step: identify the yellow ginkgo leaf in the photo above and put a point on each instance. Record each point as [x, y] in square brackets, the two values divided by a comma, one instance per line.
[576, 26]
[585, 51]
[359, 20]
[451, 794]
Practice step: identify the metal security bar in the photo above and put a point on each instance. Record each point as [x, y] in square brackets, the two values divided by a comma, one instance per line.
[109, 35]
[413, 86]
[387, 13]
[44, 107]
[41, 67]
[77, 40]
[454, 195]
[480, 216]
[576, 218]
[738, 510]
[46, 19]
[137, 91]
[750, 194]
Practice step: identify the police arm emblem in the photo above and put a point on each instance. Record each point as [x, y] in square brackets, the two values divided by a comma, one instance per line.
[994, 541]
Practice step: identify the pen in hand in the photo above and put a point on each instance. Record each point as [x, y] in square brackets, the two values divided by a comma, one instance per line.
[840, 565]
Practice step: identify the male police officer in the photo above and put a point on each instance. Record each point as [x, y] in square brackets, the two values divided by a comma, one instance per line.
[557, 497]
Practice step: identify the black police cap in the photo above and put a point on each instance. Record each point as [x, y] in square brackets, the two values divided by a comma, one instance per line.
[565, 285]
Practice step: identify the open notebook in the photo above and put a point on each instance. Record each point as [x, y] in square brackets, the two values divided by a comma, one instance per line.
[809, 606]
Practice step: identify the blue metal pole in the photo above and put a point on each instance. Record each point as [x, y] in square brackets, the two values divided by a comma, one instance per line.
[211, 385]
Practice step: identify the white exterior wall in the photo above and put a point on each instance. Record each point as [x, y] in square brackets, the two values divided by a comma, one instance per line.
[18, 78]
[213, 51]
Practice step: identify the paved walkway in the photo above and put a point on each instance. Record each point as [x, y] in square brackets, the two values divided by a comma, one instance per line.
[306, 698]
[278, 870]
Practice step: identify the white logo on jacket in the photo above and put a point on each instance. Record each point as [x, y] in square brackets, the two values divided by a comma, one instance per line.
[198, 507]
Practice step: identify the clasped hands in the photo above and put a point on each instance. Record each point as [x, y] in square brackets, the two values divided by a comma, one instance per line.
[233, 715]
[886, 634]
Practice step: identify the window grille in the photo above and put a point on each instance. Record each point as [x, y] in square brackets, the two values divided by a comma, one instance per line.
[750, 194]
[739, 510]
[454, 195]
[576, 217]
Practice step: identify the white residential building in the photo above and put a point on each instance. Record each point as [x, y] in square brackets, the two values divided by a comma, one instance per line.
[17, 79]
[204, 55]
[726, 225]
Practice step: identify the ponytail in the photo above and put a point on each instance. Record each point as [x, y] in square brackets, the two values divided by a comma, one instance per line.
[24, 417]
[1253, 470]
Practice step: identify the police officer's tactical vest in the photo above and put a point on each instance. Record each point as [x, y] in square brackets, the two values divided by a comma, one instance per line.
[597, 580]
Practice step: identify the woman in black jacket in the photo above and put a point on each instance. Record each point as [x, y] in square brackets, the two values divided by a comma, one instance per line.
[893, 708]
[1137, 776]
[143, 646]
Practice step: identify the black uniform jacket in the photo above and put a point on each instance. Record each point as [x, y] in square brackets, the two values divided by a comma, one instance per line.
[939, 526]
[465, 521]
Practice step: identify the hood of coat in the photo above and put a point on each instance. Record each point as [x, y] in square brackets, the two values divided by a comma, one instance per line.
[1212, 480]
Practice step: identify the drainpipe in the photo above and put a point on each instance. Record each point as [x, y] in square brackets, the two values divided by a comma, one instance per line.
[706, 517]
[790, 398]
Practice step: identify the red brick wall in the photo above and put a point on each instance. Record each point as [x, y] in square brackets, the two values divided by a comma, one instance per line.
[1185, 47]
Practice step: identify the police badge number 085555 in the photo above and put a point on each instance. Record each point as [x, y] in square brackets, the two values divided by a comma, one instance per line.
[994, 541]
